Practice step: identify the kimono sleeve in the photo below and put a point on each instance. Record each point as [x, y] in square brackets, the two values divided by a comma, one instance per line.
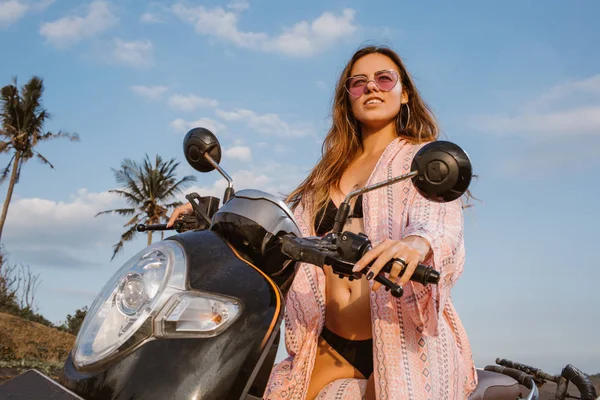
[442, 225]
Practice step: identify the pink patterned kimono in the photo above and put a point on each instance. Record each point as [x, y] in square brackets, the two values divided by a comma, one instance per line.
[420, 348]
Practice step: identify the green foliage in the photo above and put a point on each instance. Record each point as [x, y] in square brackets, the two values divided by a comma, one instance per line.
[73, 322]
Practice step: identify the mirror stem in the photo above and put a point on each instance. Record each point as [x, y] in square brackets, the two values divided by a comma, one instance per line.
[229, 189]
[221, 170]
[342, 214]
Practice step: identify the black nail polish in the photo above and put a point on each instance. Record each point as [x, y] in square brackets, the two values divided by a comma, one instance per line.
[370, 275]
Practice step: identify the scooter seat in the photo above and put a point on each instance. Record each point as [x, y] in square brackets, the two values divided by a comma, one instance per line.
[495, 386]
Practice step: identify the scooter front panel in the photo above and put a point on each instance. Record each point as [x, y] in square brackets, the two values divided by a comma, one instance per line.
[220, 367]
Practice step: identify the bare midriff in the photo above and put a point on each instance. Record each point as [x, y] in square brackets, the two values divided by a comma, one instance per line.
[347, 306]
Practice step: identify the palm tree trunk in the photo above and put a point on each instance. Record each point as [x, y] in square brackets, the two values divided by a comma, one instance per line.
[11, 186]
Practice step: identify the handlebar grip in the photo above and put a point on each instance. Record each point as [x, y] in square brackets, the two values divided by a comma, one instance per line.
[155, 227]
[515, 365]
[579, 379]
[520, 376]
[423, 274]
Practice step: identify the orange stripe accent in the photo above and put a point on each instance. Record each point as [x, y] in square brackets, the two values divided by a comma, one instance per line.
[275, 289]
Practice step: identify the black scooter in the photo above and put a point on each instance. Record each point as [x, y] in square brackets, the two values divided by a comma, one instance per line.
[197, 315]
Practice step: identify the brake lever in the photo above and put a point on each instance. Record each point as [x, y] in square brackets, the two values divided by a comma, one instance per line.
[344, 270]
[320, 252]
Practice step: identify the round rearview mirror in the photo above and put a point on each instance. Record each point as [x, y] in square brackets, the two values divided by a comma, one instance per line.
[197, 143]
[445, 171]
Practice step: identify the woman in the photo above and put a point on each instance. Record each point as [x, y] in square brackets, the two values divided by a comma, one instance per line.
[349, 340]
[353, 339]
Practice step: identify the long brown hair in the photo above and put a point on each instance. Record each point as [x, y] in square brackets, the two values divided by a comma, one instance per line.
[344, 139]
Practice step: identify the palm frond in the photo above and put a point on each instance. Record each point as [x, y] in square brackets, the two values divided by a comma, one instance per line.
[44, 160]
[129, 178]
[6, 170]
[119, 211]
[73, 137]
[129, 197]
[10, 107]
[173, 204]
[125, 237]
[5, 146]
[178, 187]
[135, 220]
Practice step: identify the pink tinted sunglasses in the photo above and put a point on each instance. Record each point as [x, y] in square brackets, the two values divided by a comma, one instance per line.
[385, 81]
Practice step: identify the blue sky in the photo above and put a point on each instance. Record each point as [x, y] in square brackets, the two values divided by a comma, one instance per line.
[515, 83]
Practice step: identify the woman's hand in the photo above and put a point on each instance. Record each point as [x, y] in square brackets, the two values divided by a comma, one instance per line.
[412, 250]
[185, 208]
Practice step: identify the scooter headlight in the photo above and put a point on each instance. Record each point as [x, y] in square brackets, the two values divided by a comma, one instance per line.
[119, 317]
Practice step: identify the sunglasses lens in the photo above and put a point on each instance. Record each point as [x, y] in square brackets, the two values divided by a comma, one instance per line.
[385, 81]
[356, 85]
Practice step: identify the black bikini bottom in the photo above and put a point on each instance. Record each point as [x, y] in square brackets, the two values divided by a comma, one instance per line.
[359, 353]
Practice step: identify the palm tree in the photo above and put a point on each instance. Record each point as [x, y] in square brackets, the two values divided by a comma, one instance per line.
[23, 119]
[148, 189]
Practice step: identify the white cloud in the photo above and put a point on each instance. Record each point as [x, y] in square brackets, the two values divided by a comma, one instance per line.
[183, 126]
[241, 180]
[150, 18]
[11, 11]
[567, 110]
[541, 159]
[150, 92]
[309, 38]
[303, 39]
[269, 124]
[45, 224]
[589, 85]
[74, 28]
[155, 13]
[563, 123]
[42, 5]
[274, 178]
[137, 53]
[559, 127]
[242, 153]
[220, 23]
[190, 102]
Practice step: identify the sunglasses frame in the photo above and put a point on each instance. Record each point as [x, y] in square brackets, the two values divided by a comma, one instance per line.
[396, 73]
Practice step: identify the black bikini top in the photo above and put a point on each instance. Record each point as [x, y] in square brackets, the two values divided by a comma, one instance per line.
[324, 223]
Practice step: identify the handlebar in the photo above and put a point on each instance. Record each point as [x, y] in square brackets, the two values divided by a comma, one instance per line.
[569, 373]
[184, 223]
[535, 372]
[522, 377]
[342, 257]
[204, 207]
